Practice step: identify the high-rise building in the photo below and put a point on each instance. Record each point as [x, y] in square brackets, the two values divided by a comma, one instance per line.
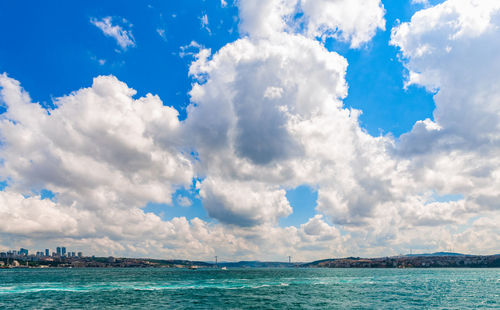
[80, 254]
[47, 252]
[72, 254]
[58, 251]
[23, 252]
[63, 251]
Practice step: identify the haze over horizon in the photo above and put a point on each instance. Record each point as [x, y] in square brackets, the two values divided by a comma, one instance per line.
[250, 128]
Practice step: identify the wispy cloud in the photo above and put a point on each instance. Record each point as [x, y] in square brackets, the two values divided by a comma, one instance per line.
[204, 23]
[101, 62]
[123, 37]
[424, 2]
[192, 48]
[161, 33]
[184, 201]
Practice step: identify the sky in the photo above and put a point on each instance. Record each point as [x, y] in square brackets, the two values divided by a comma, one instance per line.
[250, 129]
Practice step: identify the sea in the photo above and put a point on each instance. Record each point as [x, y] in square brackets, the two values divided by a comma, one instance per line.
[239, 288]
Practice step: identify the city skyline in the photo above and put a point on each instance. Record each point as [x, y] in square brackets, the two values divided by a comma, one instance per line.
[60, 252]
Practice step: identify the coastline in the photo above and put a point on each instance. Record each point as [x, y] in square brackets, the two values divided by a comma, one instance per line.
[409, 261]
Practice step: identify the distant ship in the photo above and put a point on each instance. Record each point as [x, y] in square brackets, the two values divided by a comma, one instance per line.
[224, 268]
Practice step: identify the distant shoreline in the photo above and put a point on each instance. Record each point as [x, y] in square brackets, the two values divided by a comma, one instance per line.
[435, 260]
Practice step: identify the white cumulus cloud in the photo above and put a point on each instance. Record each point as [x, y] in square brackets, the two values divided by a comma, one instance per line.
[353, 21]
[266, 116]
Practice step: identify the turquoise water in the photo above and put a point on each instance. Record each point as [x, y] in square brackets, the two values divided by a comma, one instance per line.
[249, 288]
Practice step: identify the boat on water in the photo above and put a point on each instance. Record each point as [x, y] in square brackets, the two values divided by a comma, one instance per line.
[224, 268]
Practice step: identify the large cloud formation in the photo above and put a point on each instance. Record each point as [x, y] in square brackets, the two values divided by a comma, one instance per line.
[267, 116]
[98, 145]
[453, 48]
[353, 21]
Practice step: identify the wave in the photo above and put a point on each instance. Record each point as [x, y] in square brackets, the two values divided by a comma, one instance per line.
[137, 287]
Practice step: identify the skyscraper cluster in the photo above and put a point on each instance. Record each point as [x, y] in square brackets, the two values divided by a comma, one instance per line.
[60, 252]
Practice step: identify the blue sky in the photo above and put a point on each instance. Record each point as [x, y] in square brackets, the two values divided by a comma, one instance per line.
[61, 50]
[250, 158]
[54, 49]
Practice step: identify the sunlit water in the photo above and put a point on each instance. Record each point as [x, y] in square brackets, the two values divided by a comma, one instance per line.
[249, 288]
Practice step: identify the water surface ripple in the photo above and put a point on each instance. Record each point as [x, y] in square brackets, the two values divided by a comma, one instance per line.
[284, 288]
